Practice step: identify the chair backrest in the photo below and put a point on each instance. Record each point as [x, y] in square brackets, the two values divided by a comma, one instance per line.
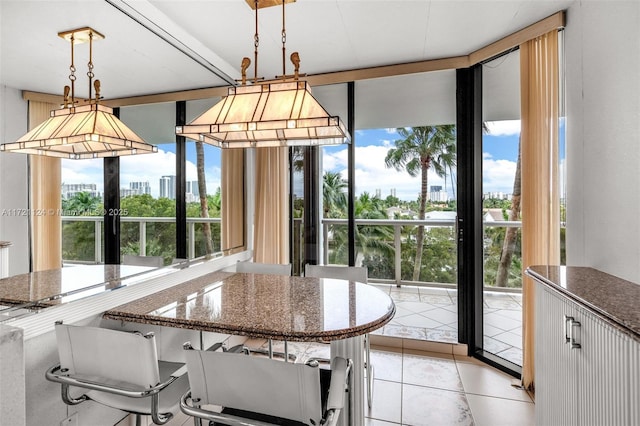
[264, 268]
[260, 385]
[351, 273]
[132, 259]
[111, 355]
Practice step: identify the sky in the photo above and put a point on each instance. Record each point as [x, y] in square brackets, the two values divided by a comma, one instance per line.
[146, 168]
[500, 150]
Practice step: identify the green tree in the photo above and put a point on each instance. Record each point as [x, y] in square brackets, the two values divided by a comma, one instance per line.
[511, 233]
[369, 238]
[202, 190]
[334, 197]
[81, 204]
[421, 149]
[78, 238]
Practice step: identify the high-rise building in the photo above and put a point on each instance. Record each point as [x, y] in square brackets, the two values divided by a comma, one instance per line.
[192, 188]
[69, 190]
[437, 195]
[139, 188]
[168, 187]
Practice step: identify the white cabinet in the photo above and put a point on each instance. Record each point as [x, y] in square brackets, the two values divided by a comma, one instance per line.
[4, 259]
[587, 370]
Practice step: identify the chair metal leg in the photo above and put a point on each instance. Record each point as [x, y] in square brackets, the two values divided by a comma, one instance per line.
[369, 368]
[138, 420]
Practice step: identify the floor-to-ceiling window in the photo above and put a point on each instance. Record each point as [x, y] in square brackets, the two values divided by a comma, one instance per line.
[82, 204]
[148, 184]
[150, 195]
[502, 251]
[407, 245]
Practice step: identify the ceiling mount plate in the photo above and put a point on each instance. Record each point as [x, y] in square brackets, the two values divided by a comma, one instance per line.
[81, 35]
[267, 3]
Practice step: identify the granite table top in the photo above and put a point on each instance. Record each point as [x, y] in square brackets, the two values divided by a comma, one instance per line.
[615, 299]
[55, 286]
[265, 306]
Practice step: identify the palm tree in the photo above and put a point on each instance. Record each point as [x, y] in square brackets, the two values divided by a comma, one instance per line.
[81, 204]
[511, 234]
[334, 197]
[421, 149]
[202, 189]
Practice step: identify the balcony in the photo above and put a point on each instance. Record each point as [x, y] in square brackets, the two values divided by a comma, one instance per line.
[426, 310]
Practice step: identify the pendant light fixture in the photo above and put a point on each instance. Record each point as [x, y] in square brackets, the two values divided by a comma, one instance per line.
[77, 131]
[281, 112]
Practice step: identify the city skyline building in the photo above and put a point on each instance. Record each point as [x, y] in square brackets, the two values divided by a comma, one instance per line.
[69, 190]
[437, 194]
[168, 187]
[139, 188]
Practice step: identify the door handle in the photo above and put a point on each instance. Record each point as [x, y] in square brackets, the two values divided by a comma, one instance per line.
[567, 320]
[574, 345]
[569, 324]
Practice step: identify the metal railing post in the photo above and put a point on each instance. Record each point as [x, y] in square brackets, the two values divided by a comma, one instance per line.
[397, 246]
[325, 243]
[97, 251]
[192, 240]
[143, 237]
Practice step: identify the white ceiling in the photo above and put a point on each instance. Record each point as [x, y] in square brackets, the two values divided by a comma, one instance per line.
[331, 35]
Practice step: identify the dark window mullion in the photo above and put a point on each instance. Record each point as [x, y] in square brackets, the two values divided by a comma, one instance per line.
[181, 183]
[111, 177]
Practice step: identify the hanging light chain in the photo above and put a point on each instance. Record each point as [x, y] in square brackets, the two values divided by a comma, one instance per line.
[256, 43]
[72, 75]
[90, 73]
[284, 42]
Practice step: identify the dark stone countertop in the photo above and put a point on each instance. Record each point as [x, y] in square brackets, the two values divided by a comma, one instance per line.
[55, 286]
[264, 306]
[613, 298]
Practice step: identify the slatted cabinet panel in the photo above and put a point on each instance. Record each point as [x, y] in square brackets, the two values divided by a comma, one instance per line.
[596, 383]
[556, 367]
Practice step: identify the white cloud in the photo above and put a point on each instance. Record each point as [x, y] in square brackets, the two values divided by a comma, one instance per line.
[371, 173]
[83, 171]
[504, 127]
[497, 175]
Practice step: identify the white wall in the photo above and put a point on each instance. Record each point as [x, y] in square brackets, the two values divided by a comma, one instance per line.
[14, 220]
[603, 136]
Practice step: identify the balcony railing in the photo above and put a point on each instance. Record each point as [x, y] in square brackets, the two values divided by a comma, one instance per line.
[142, 232]
[398, 239]
[330, 228]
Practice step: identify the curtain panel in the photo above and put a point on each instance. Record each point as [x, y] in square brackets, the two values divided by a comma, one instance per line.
[540, 188]
[271, 221]
[232, 202]
[45, 200]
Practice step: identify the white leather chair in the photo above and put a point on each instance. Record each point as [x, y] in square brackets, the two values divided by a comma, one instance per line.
[273, 269]
[262, 391]
[352, 273]
[264, 268]
[118, 369]
[133, 259]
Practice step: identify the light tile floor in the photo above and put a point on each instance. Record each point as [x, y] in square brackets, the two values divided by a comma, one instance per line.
[426, 388]
[416, 388]
[429, 313]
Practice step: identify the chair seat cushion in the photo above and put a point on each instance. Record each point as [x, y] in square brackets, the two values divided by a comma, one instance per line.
[169, 397]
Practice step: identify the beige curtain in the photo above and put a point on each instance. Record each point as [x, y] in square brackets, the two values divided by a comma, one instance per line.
[271, 221]
[540, 192]
[45, 184]
[232, 202]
